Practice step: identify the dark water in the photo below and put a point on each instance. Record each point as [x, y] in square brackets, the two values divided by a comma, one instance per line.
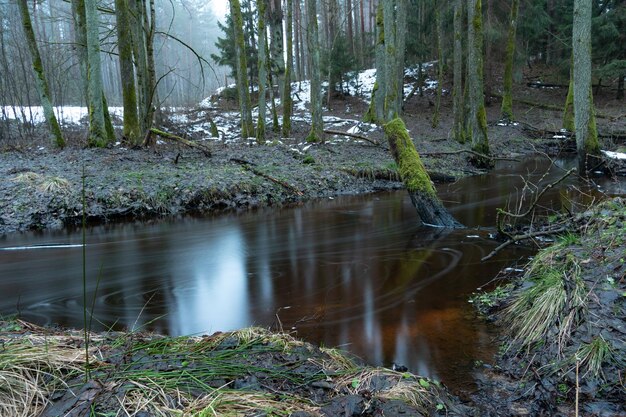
[354, 272]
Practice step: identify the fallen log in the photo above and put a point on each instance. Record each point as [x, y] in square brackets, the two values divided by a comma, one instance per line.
[352, 135]
[165, 135]
[546, 106]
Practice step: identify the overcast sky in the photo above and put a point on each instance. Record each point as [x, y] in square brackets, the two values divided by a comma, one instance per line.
[220, 7]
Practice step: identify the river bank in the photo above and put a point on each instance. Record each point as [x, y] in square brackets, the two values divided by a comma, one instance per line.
[563, 323]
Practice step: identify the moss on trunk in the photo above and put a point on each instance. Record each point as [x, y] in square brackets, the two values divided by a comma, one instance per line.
[417, 181]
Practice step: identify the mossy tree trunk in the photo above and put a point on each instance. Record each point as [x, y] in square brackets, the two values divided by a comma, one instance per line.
[131, 129]
[247, 127]
[140, 55]
[80, 37]
[458, 129]
[151, 90]
[42, 83]
[477, 117]
[391, 61]
[313, 44]
[584, 117]
[260, 126]
[430, 209]
[439, 27]
[506, 110]
[97, 130]
[287, 99]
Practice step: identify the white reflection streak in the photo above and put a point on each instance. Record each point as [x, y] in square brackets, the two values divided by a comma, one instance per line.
[218, 297]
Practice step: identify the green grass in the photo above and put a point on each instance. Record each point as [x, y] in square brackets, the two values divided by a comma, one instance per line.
[556, 299]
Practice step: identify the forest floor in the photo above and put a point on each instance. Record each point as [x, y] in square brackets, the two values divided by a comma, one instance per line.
[43, 189]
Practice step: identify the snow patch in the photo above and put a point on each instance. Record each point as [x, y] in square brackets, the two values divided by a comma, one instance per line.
[615, 155]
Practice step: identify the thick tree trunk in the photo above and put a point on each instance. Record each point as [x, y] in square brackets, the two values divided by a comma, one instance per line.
[137, 11]
[421, 190]
[97, 130]
[247, 127]
[477, 117]
[391, 61]
[457, 92]
[620, 87]
[260, 126]
[132, 131]
[317, 125]
[287, 99]
[584, 118]
[506, 110]
[42, 83]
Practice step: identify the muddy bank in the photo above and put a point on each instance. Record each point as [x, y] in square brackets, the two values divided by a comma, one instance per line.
[251, 372]
[564, 324]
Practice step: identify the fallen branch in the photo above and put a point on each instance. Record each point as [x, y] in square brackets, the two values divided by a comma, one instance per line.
[206, 151]
[250, 167]
[541, 133]
[478, 154]
[352, 135]
[501, 213]
[545, 105]
[518, 238]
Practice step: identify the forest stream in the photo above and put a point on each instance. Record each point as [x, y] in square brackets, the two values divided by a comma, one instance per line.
[355, 272]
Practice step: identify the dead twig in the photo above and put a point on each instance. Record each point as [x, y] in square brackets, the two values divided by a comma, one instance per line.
[469, 151]
[517, 238]
[352, 135]
[250, 167]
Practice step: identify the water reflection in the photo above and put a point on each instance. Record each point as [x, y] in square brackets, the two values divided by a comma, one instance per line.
[356, 272]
